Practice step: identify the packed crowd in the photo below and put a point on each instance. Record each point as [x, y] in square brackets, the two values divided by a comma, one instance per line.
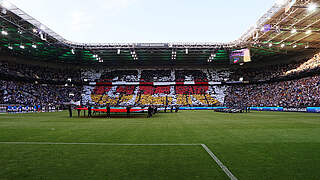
[273, 72]
[312, 64]
[296, 93]
[36, 94]
[191, 75]
[154, 95]
[120, 75]
[39, 72]
[157, 76]
[289, 93]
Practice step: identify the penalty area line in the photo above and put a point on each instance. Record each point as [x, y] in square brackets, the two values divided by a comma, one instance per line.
[222, 166]
[99, 144]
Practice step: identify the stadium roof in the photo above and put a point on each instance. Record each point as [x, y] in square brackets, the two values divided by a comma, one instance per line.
[290, 27]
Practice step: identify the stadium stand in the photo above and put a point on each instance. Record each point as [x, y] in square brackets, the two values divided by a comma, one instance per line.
[37, 72]
[295, 93]
[277, 71]
[120, 75]
[36, 94]
[191, 87]
[157, 76]
[191, 75]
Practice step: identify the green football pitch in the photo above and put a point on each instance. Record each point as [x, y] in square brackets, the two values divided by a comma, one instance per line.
[257, 145]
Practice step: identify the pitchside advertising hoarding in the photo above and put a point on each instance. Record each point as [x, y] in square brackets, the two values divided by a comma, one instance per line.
[285, 109]
[313, 109]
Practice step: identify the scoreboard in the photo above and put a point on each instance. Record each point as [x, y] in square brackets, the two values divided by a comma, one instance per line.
[240, 56]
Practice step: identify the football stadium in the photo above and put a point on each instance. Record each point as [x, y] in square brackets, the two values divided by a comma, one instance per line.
[241, 109]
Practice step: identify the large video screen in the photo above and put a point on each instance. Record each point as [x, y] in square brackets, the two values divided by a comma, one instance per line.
[240, 56]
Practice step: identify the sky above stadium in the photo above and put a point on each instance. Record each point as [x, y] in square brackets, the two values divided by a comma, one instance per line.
[146, 21]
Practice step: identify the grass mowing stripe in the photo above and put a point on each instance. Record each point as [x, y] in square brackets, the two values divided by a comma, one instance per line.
[100, 144]
[216, 159]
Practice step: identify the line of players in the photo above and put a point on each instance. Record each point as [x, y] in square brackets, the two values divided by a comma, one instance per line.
[151, 111]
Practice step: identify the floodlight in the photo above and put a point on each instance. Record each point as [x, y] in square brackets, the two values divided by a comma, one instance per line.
[42, 27]
[10, 47]
[282, 45]
[294, 46]
[119, 51]
[312, 7]
[34, 46]
[270, 44]
[308, 32]
[3, 32]
[72, 51]
[22, 46]
[293, 31]
[4, 11]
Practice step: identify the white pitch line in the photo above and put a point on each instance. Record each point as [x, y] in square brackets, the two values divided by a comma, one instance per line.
[216, 159]
[99, 144]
